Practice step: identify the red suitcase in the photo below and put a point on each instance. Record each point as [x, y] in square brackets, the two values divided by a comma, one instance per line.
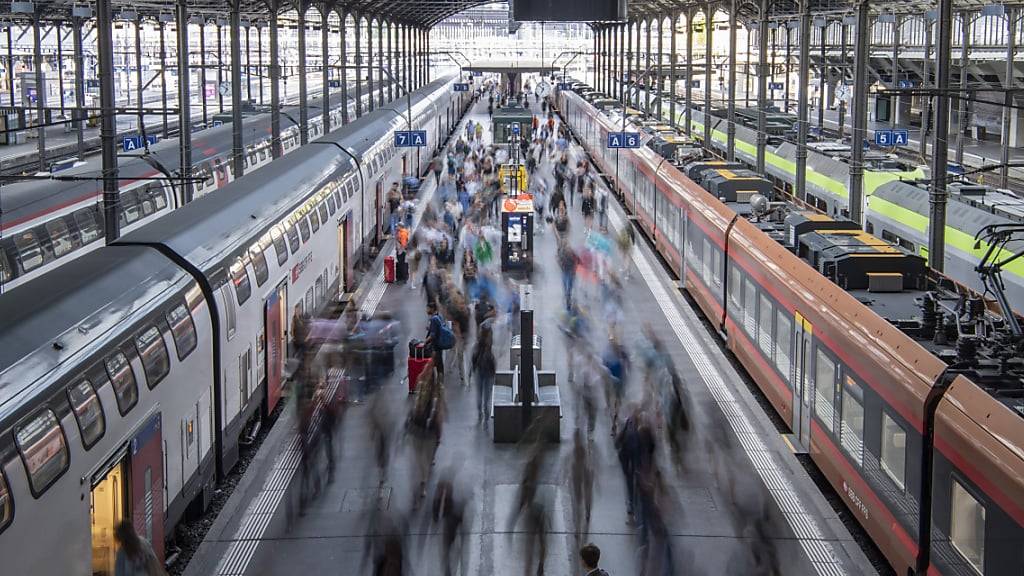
[418, 360]
[389, 269]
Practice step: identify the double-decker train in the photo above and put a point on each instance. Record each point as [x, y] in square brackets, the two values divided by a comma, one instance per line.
[47, 223]
[909, 399]
[128, 375]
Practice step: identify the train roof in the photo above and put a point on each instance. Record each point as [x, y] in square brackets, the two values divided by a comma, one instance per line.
[52, 319]
[966, 212]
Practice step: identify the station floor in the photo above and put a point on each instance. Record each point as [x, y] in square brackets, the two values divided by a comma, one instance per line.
[738, 469]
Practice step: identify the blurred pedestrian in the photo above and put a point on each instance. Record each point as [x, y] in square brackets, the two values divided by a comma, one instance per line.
[484, 365]
[590, 557]
[135, 556]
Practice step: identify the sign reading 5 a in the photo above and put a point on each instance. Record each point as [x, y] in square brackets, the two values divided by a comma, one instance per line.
[410, 138]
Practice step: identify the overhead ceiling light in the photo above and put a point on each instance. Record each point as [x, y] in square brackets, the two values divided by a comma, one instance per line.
[166, 17]
[81, 11]
[819, 22]
[197, 19]
[244, 22]
[887, 18]
[128, 14]
[23, 7]
[993, 10]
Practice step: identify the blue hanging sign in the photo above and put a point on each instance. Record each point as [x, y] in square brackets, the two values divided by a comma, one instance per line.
[883, 138]
[461, 87]
[564, 86]
[900, 137]
[129, 143]
[905, 84]
[410, 138]
[623, 140]
[477, 73]
[776, 86]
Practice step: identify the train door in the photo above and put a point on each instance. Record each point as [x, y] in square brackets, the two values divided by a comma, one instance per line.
[801, 382]
[405, 165]
[275, 323]
[108, 507]
[343, 243]
[378, 212]
[146, 484]
[221, 172]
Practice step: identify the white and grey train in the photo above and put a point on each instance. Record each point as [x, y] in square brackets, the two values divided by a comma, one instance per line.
[47, 223]
[128, 375]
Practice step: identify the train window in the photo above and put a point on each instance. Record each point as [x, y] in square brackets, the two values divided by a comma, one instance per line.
[88, 412]
[894, 450]
[279, 246]
[263, 153]
[88, 224]
[331, 204]
[130, 209]
[6, 503]
[153, 352]
[337, 198]
[314, 220]
[750, 307]
[706, 260]
[230, 320]
[764, 326]
[735, 287]
[304, 229]
[259, 264]
[783, 342]
[323, 213]
[824, 388]
[122, 379]
[851, 434]
[158, 195]
[293, 238]
[967, 526]
[30, 254]
[62, 239]
[43, 450]
[182, 329]
[240, 278]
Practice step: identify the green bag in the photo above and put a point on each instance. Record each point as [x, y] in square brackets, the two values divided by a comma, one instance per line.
[484, 252]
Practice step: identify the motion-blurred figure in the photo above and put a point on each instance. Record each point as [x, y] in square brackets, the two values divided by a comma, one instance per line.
[449, 511]
[581, 483]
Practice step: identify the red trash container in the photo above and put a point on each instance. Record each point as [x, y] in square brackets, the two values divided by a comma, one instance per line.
[418, 360]
[389, 269]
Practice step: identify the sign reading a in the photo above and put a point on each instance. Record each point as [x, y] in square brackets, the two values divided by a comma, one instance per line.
[410, 138]
[461, 87]
[623, 140]
[776, 86]
[887, 138]
[129, 143]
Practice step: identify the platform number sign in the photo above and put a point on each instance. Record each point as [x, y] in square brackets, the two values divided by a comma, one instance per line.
[129, 143]
[563, 86]
[410, 138]
[623, 140]
[515, 128]
[776, 86]
[888, 138]
[461, 87]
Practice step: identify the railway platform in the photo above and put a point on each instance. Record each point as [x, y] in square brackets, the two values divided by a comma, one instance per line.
[742, 497]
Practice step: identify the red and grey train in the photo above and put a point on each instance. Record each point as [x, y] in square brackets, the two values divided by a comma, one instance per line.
[129, 375]
[920, 434]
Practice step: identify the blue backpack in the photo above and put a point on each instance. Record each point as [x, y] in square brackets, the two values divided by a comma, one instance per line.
[445, 336]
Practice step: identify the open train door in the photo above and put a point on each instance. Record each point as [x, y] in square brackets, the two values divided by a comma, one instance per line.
[275, 323]
[146, 483]
[378, 212]
[802, 388]
[344, 280]
[108, 506]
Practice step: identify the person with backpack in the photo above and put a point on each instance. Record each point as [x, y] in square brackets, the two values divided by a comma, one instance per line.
[590, 556]
[439, 336]
[484, 364]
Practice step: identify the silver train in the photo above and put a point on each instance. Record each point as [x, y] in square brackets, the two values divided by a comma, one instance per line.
[128, 375]
[47, 223]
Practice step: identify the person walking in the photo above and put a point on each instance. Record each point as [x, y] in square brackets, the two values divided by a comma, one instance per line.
[135, 556]
[484, 365]
[590, 556]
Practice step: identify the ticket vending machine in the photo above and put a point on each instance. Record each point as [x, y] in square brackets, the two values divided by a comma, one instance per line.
[517, 233]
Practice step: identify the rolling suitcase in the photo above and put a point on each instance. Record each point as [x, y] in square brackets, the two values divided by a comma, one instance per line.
[389, 269]
[418, 360]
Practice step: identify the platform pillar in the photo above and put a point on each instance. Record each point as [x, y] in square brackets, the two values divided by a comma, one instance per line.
[184, 101]
[823, 81]
[325, 67]
[896, 115]
[709, 26]
[343, 69]
[259, 59]
[202, 71]
[860, 112]
[220, 64]
[275, 83]
[371, 103]
[926, 83]
[237, 144]
[803, 105]
[300, 31]
[108, 120]
[79, 113]
[391, 60]
[688, 89]
[1012, 135]
[673, 78]
[659, 75]
[762, 85]
[730, 147]
[620, 72]
[163, 78]
[357, 18]
[962, 120]
[37, 64]
[940, 147]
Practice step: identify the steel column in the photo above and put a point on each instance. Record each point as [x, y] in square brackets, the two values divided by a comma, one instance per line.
[842, 78]
[708, 28]
[426, 55]
[237, 145]
[138, 81]
[1008, 100]
[620, 72]
[359, 65]
[626, 98]
[640, 68]
[261, 74]
[860, 112]
[762, 85]
[730, 147]
[79, 113]
[220, 66]
[391, 60]
[343, 18]
[661, 49]
[275, 83]
[248, 63]
[689, 70]
[184, 101]
[803, 105]
[789, 59]
[926, 108]
[822, 83]
[303, 94]
[60, 64]
[40, 92]
[163, 77]
[647, 66]
[940, 147]
[10, 62]
[673, 78]
[108, 120]
[371, 101]
[202, 70]
[896, 26]
[325, 68]
[961, 114]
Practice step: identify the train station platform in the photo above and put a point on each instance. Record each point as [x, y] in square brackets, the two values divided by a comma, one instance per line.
[742, 489]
